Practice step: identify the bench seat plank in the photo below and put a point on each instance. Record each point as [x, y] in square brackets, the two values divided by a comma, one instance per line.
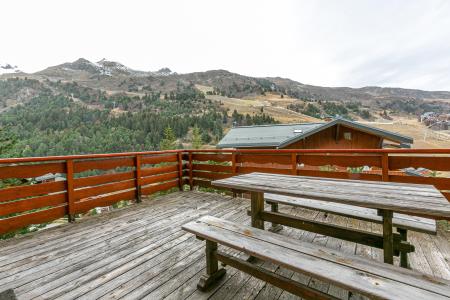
[367, 277]
[413, 223]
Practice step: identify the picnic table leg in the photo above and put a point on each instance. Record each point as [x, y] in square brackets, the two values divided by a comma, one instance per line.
[403, 255]
[257, 207]
[388, 236]
[213, 273]
[275, 227]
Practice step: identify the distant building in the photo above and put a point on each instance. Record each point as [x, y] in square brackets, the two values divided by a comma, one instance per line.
[336, 134]
[50, 177]
[427, 115]
[435, 121]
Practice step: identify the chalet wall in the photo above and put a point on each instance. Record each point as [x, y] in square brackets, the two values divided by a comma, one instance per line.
[326, 139]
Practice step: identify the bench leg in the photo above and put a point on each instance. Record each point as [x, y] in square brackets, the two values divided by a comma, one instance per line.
[8, 295]
[257, 208]
[275, 227]
[213, 273]
[388, 236]
[403, 255]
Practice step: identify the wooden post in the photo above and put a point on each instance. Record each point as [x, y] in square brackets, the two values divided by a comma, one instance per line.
[8, 295]
[233, 169]
[388, 236]
[70, 191]
[385, 167]
[180, 170]
[213, 273]
[257, 207]
[137, 165]
[275, 227]
[403, 255]
[191, 180]
[294, 163]
[233, 163]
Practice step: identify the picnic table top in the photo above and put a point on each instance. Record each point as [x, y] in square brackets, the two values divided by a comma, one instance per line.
[415, 199]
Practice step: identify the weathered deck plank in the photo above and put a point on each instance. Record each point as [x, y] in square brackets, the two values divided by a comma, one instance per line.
[141, 252]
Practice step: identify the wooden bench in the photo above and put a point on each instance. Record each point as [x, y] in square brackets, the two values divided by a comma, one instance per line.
[402, 222]
[356, 274]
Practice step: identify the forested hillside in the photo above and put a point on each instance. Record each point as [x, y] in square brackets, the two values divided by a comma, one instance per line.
[66, 118]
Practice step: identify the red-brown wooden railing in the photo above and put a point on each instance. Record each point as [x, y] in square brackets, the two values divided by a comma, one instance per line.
[385, 164]
[128, 176]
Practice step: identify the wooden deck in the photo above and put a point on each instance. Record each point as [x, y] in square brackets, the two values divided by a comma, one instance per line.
[141, 252]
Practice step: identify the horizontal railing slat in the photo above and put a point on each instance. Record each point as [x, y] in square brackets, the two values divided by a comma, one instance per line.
[340, 160]
[244, 170]
[218, 157]
[20, 206]
[17, 222]
[159, 187]
[152, 160]
[102, 164]
[441, 183]
[86, 205]
[429, 162]
[210, 175]
[339, 175]
[265, 159]
[212, 168]
[22, 191]
[158, 178]
[31, 170]
[158, 170]
[102, 179]
[103, 189]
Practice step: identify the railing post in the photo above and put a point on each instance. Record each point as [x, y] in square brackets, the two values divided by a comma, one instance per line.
[294, 163]
[70, 191]
[233, 169]
[137, 165]
[233, 163]
[180, 170]
[385, 167]
[191, 180]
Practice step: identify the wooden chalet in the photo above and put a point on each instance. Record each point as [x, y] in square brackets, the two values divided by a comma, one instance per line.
[335, 134]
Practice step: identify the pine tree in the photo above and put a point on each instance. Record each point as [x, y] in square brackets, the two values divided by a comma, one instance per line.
[169, 140]
[7, 141]
[196, 138]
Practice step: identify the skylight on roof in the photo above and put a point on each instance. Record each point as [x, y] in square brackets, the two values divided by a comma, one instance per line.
[298, 131]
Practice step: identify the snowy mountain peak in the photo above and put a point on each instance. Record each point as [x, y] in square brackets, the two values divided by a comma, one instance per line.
[109, 67]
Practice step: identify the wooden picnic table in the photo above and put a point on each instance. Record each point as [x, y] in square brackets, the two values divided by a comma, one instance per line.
[386, 197]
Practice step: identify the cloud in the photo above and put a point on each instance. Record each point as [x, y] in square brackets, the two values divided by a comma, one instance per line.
[332, 43]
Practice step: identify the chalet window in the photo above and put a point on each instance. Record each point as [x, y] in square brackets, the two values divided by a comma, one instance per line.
[348, 135]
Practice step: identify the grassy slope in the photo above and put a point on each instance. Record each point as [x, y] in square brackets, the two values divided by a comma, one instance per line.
[272, 104]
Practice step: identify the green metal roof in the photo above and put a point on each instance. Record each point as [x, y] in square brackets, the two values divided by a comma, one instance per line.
[281, 135]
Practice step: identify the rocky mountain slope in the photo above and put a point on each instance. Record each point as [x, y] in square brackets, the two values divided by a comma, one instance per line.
[121, 78]
[113, 77]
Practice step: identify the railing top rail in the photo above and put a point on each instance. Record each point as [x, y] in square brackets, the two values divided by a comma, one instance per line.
[267, 151]
[82, 156]
[410, 151]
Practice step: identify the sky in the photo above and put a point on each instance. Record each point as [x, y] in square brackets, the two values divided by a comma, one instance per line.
[356, 43]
